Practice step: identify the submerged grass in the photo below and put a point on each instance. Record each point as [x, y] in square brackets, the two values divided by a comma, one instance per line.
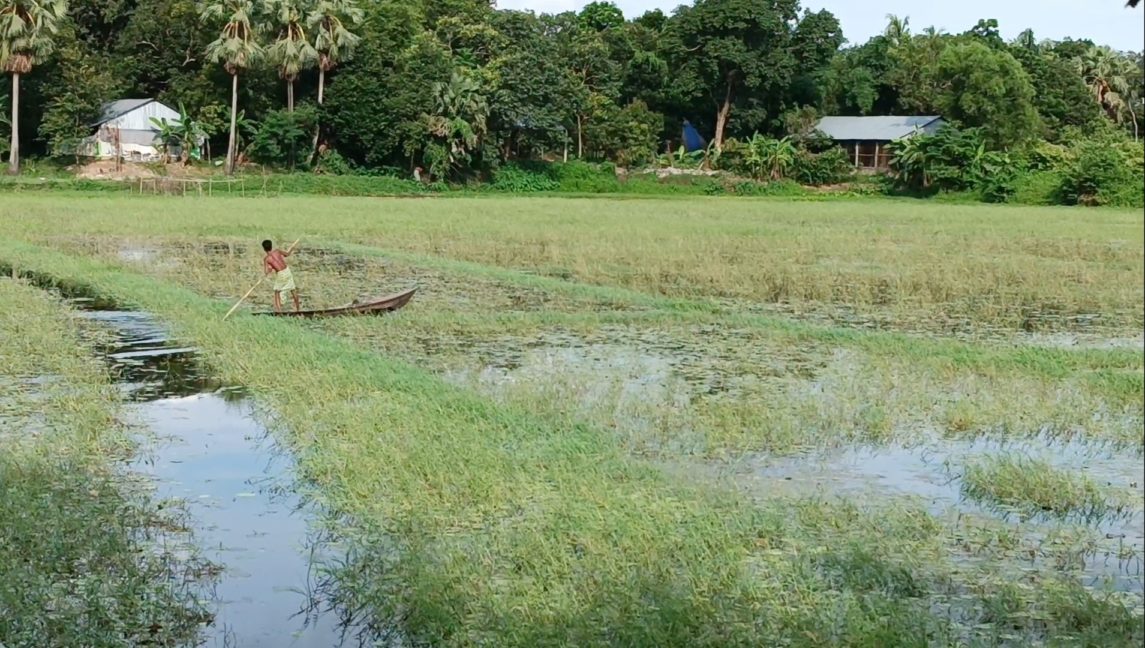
[76, 565]
[1035, 486]
[474, 523]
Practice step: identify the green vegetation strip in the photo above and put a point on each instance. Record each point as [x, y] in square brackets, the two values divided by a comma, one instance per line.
[74, 569]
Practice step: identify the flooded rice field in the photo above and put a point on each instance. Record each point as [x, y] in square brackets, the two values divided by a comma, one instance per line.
[206, 452]
[211, 267]
[776, 413]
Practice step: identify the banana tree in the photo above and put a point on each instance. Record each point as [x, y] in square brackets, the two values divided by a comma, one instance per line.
[766, 157]
[910, 161]
[186, 133]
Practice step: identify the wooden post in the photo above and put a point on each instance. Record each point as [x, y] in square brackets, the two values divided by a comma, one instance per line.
[856, 155]
[118, 150]
[877, 165]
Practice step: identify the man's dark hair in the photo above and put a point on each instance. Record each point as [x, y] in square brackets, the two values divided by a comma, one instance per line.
[266, 245]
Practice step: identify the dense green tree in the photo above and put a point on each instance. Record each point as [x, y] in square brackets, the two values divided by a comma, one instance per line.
[860, 80]
[727, 51]
[83, 83]
[987, 88]
[532, 95]
[1060, 95]
[913, 72]
[590, 81]
[601, 16]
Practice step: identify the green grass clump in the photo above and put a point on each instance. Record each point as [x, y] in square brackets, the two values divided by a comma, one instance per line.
[1036, 487]
[75, 566]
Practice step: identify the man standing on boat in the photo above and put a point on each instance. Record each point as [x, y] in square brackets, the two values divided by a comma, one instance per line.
[275, 262]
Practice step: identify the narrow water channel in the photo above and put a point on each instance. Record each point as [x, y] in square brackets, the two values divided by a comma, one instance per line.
[211, 453]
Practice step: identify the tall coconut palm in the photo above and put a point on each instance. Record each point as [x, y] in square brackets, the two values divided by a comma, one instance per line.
[291, 52]
[237, 48]
[27, 30]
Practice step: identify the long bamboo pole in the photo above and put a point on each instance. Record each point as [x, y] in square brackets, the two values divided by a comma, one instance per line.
[256, 285]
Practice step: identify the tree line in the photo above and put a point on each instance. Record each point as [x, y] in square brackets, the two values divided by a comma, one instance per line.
[459, 88]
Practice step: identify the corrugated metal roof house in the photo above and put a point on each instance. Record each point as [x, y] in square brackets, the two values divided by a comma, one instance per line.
[866, 138]
[125, 128]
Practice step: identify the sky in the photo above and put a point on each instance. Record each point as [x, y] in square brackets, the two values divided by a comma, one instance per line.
[1106, 22]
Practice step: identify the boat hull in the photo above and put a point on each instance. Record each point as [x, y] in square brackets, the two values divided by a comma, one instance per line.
[373, 306]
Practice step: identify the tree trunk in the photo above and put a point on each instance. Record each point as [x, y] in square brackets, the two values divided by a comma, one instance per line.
[14, 144]
[230, 168]
[290, 95]
[722, 117]
[318, 126]
[579, 137]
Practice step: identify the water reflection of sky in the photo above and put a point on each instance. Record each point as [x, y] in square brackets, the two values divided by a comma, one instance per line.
[211, 452]
[215, 456]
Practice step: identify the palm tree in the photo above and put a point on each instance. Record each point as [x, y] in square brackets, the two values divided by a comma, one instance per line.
[26, 31]
[897, 30]
[1026, 40]
[236, 48]
[459, 119]
[1107, 74]
[291, 52]
[333, 41]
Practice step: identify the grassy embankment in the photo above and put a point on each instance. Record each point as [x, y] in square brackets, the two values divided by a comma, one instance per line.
[76, 568]
[574, 538]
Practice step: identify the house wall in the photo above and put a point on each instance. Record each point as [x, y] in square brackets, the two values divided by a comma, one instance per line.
[868, 155]
[136, 132]
[140, 118]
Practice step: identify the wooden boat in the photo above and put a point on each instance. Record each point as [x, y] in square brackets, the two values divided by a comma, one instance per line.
[372, 306]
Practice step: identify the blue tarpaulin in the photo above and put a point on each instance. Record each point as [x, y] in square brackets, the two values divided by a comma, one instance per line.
[692, 139]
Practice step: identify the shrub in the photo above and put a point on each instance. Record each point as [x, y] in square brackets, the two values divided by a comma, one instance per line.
[1036, 188]
[332, 162]
[1103, 172]
[284, 138]
[515, 178]
[828, 167]
[582, 177]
